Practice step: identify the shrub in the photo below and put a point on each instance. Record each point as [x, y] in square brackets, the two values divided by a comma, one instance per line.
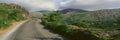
[8, 14]
[54, 21]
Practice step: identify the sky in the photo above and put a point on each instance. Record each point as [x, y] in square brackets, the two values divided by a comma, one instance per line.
[36, 5]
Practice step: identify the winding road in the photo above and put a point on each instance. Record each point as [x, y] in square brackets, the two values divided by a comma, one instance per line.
[31, 30]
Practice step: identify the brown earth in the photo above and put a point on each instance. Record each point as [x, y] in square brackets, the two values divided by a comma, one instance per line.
[3, 31]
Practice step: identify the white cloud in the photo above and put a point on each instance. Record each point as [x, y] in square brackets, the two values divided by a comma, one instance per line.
[91, 4]
[34, 5]
[86, 2]
[42, 5]
[65, 2]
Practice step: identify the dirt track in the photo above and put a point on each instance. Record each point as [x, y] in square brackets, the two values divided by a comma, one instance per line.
[33, 30]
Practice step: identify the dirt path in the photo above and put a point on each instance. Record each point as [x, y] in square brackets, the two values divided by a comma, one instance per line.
[32, 30]
[5, 33]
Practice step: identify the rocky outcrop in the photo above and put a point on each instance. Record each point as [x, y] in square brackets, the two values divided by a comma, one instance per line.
[15, 6]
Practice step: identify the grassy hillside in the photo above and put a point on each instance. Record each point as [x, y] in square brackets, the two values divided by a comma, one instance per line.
[56, 23]
[101, 18]
[93, 25]
[10, 13]
[105, 24]
[68, 10]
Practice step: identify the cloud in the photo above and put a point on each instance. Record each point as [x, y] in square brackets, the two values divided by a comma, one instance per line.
[91, 4]
[33, 5]
[41, 5]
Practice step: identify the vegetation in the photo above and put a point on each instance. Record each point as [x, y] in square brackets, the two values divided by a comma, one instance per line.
[103, 23]
[9, 13]
[99, 25]
[55, 22]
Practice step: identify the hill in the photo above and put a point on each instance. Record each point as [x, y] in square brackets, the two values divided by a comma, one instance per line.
[10, 13]
[44, 11]
[64, 11]
[102, 23]
[106, 14]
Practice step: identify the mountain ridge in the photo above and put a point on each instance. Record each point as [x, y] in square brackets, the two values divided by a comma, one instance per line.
[64, 11]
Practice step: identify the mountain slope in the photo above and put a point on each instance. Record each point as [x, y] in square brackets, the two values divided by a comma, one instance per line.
[64, 11]
[108, 14]
[10, 13]
[103, 23]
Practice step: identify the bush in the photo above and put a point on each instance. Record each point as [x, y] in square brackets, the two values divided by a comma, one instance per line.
[8, 14]
[54, 21]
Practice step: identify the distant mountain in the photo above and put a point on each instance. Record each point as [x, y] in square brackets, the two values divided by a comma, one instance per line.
[106, 14]
[98, 22]
[44, 11]
[64, 11]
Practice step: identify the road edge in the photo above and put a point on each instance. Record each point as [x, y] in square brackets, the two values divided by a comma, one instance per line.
[5, 36]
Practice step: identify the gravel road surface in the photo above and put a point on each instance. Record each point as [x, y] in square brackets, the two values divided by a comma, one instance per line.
[33, 30]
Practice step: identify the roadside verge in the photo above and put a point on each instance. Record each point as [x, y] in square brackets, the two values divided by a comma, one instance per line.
[7, 32]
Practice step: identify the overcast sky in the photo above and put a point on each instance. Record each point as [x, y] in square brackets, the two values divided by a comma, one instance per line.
[34, 5]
